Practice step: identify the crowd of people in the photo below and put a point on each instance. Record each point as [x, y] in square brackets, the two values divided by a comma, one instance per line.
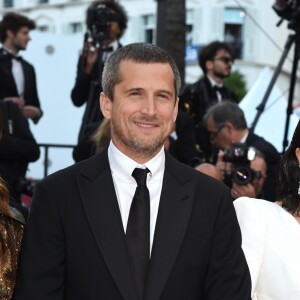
[171, 195]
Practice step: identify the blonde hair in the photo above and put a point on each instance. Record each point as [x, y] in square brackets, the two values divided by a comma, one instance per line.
[4, 198]
[102, 136]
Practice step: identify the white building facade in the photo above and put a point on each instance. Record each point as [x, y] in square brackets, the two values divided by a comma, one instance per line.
[249, 24]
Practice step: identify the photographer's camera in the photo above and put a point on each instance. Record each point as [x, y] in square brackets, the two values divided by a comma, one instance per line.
[240, 156]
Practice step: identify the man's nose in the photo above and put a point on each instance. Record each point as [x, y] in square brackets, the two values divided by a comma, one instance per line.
[149, 106]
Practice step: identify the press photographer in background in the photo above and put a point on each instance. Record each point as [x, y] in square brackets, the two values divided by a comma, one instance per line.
[245, 170]
[226, 125]
[106, 22]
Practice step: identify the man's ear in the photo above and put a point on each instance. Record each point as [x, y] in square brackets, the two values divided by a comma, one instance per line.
[209, 65]
[9, 33]
[105, 106]
[297, 152]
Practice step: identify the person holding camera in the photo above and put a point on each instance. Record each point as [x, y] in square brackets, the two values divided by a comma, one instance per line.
[227, 125]
[106, 22]
[253, 188]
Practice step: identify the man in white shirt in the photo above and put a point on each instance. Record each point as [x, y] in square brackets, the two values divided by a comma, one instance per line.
[18, 80]
[97, 231]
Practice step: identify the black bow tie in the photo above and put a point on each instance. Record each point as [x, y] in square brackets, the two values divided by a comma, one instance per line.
[13, 56]
[107, 49]
[218, 88]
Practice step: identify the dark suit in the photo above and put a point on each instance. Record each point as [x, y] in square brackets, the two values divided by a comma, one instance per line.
[17, 147]
[272, 159]
[196, 98]
[87, 90]
[74, 246]
[183, 148]
[8, 86]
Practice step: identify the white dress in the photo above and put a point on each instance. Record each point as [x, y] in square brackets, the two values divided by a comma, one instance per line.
[271, 243]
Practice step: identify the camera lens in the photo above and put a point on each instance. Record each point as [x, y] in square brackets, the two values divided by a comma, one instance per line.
[242, 175]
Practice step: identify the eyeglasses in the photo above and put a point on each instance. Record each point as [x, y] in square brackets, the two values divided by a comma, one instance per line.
[214, 134]
[225, 59]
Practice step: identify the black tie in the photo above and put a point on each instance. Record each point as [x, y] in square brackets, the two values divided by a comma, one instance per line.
[138, 231]
[219, 89]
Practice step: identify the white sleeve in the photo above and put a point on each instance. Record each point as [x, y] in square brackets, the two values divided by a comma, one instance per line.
[252, 235]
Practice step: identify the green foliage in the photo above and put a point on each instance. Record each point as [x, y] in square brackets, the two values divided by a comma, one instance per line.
[237, 84]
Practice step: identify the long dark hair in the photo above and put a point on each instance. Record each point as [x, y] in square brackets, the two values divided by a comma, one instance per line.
[289, 175]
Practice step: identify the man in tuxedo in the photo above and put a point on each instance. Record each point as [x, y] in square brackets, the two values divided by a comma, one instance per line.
[18, 81]
[226, 124]
[106, 22]
[215, 60]
[132, 222]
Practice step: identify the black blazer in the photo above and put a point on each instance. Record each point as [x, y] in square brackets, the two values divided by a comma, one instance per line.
[74, 245]
[17, 147]
[8, 86]
[196, 99]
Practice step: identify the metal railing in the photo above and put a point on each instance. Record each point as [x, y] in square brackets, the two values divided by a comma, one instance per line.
[46, 153]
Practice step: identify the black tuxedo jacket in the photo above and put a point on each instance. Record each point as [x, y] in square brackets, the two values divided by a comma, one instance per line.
[196, 98]
[8, 86]
[272, 158]
[74, 245]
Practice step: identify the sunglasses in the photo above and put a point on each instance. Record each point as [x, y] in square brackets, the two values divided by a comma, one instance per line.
[225, 59]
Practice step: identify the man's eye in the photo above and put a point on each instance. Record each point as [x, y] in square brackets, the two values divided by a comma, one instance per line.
[135, 93]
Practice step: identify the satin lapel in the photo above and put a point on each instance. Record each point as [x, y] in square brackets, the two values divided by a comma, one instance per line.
[102, 210]
[10, 85]
[174, 212]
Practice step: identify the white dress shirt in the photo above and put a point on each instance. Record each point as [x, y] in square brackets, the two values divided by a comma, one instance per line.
[125, 185]
[213, 84]
[18, 74]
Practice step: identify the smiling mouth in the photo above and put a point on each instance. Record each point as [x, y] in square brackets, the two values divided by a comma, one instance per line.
[145, 125]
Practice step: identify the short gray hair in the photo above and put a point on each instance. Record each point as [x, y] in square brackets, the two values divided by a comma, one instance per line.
[140, 53]
[226, 112]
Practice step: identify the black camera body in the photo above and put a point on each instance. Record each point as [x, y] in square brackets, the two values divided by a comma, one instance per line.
[98, 19]
[240, 155]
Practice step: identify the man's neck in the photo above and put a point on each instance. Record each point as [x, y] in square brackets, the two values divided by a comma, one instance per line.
[7, 45]
[240, 136]
[217, 80]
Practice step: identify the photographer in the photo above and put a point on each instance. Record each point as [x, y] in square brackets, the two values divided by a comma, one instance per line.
[254, 174]
[106, 22]
[226, 124]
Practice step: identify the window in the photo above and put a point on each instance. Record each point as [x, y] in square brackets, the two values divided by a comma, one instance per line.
[43, 28]
[8, 3]
[149, 25]
[233, 29]
[75, 27]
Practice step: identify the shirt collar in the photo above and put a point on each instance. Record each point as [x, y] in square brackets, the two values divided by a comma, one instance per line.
[114, 45]
[123, 166]
[214, 83]
[14, 55]
[243, 140]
